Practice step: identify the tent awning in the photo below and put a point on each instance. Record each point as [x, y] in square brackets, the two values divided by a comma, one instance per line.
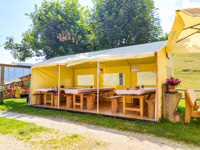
[185, 33]
[128, 52]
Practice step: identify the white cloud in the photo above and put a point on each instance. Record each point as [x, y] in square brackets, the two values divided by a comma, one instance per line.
[190, 4]
[167, 10]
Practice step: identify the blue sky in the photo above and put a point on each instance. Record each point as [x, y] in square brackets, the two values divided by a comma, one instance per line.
[13, 21]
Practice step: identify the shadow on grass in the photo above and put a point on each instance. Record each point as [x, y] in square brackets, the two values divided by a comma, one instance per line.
[188, 133]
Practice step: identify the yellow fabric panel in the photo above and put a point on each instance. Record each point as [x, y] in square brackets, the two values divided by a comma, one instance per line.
[182, 38]
[87, 71]
[163, 63]
[43, 77]
[148, 67]
[66, 76]
[118, 69]
[143, 68]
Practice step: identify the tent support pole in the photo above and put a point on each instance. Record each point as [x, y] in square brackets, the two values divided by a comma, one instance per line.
[2, 82]
[97, 87]
[156, 96]
[58, 86]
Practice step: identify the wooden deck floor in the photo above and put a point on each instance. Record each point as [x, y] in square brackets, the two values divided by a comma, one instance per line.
[104, 109]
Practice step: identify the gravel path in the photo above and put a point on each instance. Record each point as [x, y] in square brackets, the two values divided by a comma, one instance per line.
[117, 140]
[10, 143]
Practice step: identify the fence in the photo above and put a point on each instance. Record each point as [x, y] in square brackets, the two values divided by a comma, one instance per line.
[184, 93]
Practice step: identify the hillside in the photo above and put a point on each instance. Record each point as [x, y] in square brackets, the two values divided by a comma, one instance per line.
[187, 69]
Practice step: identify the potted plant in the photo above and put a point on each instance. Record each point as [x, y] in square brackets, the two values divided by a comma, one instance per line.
[172, 83]
[137, 87]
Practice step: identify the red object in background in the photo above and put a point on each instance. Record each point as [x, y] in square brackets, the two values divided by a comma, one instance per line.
[26, 90]
[91, 87]
[142, 86]
[127, 89]
[9, 90]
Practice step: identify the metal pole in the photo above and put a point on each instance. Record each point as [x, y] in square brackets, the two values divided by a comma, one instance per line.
[97, 87]
[58, 86]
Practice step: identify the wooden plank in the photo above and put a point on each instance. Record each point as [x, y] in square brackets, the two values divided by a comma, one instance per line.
[13, 65]
[132, 109]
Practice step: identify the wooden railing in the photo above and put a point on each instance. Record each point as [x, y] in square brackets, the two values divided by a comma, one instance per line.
[185, 90]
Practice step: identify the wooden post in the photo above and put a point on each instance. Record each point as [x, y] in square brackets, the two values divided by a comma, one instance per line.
[170, 104]
[69, 101]
[115, 105]
[2, 82]
[90, 103]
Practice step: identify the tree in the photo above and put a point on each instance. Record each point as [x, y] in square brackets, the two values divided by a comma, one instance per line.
[119, 23]
[58, 28]
[164, 37]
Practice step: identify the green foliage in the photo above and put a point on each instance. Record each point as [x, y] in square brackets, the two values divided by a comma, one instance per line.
[44, 138]
[2, 88]
[48, 21]
[64, 27]
[119, 23]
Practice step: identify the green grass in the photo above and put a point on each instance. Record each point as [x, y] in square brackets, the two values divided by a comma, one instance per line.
[187, 68]
[45, 138]
[22, 130]
[187, 133]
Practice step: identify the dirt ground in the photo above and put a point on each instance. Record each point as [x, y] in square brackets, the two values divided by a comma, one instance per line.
[117, 139]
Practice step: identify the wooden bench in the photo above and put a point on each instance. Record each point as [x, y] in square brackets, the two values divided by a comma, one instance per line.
[69, 100]
[115, 103]
[38, 98]
[151, 108]
[90, 101]
[48, 100]
[78, 103]
[191, 106]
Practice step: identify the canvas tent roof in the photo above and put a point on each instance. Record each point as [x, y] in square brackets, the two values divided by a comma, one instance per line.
[135, 51]
[185, 33]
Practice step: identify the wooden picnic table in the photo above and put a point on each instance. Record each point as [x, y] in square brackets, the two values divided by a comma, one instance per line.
[88, 93]
[45, 91]
[136, 94]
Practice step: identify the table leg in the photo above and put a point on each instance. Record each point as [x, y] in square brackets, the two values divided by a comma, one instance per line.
[81, 97]
[52, 99]
[124, 105]
[74, 100]
[141, 107]
[45, 98]
[56, 100]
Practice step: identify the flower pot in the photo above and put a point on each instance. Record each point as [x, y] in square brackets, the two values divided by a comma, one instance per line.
[171, 89]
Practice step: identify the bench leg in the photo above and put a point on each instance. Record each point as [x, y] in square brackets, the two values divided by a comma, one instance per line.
[187, 110]
[69, 101]
[115, 105]
[90, 103]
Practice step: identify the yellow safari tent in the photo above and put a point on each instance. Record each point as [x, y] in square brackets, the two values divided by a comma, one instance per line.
[146, 64]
